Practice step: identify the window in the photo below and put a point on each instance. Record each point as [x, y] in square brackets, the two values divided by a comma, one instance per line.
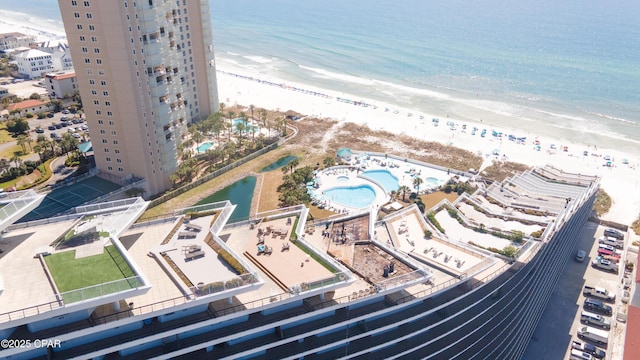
[120, 169]
[119, 161]
[102, 131]
[100, 72]
[110, 167]
[106, 93]
[99, 61]
[116, 150]
[81, 38]
[103, 83]
[107, 158]
[93, 92]
[100, 122]
[111, 123]
[84, 49]
[113, 132]
[107, 103]
[91, 27]
[109, 113]
[78, 26]
[86, 3]
[98, 112]
[92, 82]
[89, 16]
[76, 15]
[74, 3]
[96, 50]
[106, 150]
[87, 61]
[104, 141]
[89, 71]
[94, 39]
[96, 102]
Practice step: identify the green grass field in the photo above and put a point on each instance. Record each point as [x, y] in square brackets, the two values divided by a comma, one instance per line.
[72, 274]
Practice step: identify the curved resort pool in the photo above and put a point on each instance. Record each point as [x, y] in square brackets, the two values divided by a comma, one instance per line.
[343, 178]
[351, 196]
[384, 178]
[204, 146]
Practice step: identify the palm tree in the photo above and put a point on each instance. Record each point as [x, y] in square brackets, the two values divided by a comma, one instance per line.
[417, 181]
[404, 189]
[38, 150]
[329, 161]
[16, 159]
[197, 137]
[230, 115]
[29, 140]
[251, 107]
[4, 165]
[221, 111]
[293, 163]
[22, 140]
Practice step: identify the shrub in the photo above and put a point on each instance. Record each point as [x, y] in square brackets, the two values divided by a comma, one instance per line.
[197, 214]
[537, 234]
[432, 219]
[29, 115]
[427, 233]
[509, 251]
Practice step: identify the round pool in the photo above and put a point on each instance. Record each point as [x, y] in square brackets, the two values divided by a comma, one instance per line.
[433, 181]
[351, 196]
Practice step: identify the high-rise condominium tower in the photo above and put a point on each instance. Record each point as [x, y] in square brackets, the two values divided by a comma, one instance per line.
[145, 69]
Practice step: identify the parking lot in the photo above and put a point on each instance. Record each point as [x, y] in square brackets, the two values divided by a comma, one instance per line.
[561, 319]
[45, 123]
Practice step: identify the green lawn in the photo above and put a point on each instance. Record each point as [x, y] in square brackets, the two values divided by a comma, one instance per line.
[72, 274]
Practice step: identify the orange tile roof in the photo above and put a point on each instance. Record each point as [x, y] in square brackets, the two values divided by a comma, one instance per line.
[25, 104]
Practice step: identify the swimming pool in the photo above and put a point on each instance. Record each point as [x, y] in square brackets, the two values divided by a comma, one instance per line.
[248, 127]
[384, 178]
[204, 146]
[352, 196]
[343, 178]
[433, 181]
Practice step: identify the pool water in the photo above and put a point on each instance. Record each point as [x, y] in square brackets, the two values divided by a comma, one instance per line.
[278, 163]
[353, 196]
[204, 147]
[384, 178]
[239, 193]
[249, 127]
[433, 181]
[343, 178]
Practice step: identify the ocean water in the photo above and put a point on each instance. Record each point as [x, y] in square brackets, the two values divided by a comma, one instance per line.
[567, 68]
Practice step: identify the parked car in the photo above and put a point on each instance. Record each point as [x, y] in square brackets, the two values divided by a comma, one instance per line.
[76, 135]
[614, 234]
[65, 124]
[605, 264]
[51, 127]
[579, 355]
[596, 320]
[589, 349]
[53, 135]
[39, 130]
[58, 126]
[608, 240]
[597, 306]
[50, 115]
[65, 111]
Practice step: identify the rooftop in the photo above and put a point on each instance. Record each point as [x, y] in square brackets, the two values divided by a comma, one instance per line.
[24, 104]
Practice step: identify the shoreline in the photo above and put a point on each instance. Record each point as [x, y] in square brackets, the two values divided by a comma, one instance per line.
[253, 89]
[618, 180]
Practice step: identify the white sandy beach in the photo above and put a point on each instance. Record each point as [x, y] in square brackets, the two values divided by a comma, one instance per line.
[620, 180]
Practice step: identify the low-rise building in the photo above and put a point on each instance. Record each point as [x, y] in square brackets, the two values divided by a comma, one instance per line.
[60, 84]
[29, 106]
[34, 63]
[15, 39]
[60, 54]
[4, 92]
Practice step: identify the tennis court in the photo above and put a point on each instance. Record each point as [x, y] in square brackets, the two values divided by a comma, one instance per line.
[68, 197]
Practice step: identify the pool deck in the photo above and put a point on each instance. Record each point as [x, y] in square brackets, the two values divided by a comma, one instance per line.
[405, 173]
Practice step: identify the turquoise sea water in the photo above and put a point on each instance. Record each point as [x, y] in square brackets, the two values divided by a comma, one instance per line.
[569, 67]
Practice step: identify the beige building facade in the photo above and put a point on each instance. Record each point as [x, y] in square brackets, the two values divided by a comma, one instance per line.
[145, 69]
[61, 84]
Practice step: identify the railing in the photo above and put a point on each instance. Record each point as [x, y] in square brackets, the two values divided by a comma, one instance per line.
[220, 286]
[318, 284]
[401, 280]
[95, 291]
